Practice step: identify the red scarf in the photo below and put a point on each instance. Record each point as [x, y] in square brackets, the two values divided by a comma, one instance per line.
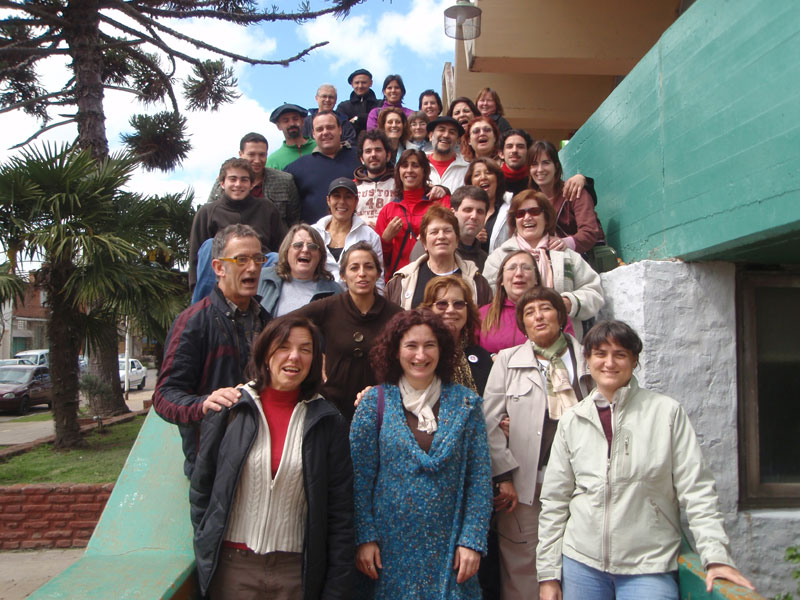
[514, 174]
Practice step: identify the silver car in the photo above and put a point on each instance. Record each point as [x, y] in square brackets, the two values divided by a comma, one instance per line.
[137, 374]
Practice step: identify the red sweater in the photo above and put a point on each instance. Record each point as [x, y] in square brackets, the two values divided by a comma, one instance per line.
[415, 205]
[278, 408]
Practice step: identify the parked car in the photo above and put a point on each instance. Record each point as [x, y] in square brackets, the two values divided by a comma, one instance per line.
[137, 374]
[14, 361]
[23, 386]
[35, 357]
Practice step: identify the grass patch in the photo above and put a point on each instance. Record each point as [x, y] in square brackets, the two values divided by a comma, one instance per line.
[100, 462]
[43, 416]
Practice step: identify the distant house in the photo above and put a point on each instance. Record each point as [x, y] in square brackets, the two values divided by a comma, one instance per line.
[24, 327]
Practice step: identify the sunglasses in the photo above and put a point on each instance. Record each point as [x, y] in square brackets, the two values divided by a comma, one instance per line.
[310, 245]
[443, 304]
[243, 260]
[534, 211]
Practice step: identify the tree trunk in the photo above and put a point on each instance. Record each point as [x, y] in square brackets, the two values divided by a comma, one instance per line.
[83, 39]
[65, 346]
[105, 364]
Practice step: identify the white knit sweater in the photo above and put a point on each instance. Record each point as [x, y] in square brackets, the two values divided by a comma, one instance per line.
[269, 515]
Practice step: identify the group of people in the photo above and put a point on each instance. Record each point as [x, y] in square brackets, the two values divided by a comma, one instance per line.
[388, 384]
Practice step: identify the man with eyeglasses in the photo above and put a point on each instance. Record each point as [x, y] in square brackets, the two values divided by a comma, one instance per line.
[326, 100]
[209, 344]
[236, 177]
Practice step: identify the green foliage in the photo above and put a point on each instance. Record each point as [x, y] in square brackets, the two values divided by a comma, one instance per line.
[213, 84]
[792, 556]
[101, 461]
[95, 390]
[159, 141]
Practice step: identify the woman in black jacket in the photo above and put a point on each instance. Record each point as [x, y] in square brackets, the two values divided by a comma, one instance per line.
[271, 493]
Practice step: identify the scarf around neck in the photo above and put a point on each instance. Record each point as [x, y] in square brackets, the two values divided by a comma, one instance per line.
[560, 393]
[514, 174]
[421, 402]
[541, 256]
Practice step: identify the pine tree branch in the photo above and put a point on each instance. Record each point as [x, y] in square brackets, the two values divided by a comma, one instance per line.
[156, 42]
[34, 51]
[41, 13]
[17, 105]
[142, 57]
[250, 18]
[134, 14]
[42, 130]
[33, 41]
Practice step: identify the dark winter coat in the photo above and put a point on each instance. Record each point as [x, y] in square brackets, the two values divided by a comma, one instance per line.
[329, 543]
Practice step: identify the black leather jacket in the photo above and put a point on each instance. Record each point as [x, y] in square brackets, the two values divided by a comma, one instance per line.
[329, 543]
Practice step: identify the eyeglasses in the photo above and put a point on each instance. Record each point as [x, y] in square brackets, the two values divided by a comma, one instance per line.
[534, 211]
[243, 260]
[480, 130]
[519, 267]
[456, 304]
[310, 245]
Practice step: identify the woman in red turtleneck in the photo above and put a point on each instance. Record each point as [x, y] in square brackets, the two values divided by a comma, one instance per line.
[399, 221]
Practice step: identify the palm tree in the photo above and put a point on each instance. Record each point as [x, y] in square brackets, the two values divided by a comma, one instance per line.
[73, 216]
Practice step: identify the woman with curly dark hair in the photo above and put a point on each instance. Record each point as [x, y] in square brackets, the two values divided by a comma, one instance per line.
[271, 493]
[422, 501]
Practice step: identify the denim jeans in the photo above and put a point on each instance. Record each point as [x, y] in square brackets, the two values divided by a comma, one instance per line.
[581, 582]
[206, 280]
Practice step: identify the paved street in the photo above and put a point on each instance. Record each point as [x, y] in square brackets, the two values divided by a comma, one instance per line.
[12, 432]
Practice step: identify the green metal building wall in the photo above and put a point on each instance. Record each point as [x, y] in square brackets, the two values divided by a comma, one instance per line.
[696, 153]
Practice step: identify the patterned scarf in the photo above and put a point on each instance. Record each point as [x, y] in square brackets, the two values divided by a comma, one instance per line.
[462, 374]
[421, 402]
[560, 394]
[541, 256]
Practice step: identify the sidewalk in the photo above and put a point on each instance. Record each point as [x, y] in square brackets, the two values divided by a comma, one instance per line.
[22, 572]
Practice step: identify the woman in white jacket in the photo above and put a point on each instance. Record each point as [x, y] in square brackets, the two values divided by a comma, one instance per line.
[343, 228]
[621, 462]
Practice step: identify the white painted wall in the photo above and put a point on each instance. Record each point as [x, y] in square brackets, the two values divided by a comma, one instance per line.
[686, 316]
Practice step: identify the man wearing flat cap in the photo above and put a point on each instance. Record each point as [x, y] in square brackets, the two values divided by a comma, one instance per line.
[288, 118]
[362, 100]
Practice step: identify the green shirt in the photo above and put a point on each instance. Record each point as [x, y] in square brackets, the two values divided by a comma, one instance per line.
[288, 154]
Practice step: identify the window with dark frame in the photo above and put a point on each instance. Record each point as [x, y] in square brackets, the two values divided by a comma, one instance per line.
[769, 388]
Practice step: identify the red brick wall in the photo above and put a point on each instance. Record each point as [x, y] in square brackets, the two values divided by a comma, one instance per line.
[50, 516]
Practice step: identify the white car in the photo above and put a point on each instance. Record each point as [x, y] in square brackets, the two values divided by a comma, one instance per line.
[137, 374]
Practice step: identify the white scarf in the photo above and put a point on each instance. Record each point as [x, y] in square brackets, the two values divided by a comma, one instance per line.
[421, 402]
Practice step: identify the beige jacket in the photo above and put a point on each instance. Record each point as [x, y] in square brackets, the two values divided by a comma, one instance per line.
[621, 514]
[572, 278]
[400, 288]
[515, 388]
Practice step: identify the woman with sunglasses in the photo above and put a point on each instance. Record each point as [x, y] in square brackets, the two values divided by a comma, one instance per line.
[531, 222]
[451, 298]
[531, 385]
[299, 276]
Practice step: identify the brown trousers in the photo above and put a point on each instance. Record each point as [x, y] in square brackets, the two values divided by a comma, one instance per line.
[245, 575]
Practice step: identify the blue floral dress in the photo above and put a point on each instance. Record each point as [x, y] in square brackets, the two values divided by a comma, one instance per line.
[419, 506]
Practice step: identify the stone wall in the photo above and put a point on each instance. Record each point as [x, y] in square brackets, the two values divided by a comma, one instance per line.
[50, 515]
[685, 314]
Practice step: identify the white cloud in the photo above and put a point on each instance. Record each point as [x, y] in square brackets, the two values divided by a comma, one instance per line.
[387, 45]
[214, 135]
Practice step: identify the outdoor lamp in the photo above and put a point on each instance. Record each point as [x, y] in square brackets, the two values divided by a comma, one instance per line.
[462, 21]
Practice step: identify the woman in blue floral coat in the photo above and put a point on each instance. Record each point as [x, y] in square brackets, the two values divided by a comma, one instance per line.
[422, 484]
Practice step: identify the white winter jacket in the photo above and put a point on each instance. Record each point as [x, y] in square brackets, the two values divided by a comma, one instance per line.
[620, 514]
[359, 231]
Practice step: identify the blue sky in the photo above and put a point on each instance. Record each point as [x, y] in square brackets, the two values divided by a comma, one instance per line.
[401, 36]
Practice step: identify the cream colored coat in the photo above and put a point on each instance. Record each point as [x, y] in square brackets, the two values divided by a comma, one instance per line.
[515, 388]
[621, 515]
